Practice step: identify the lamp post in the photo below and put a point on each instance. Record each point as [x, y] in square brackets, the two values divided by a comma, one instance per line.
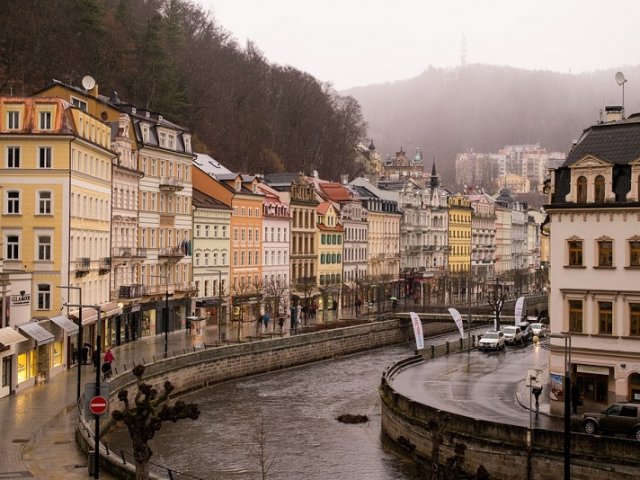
[219, 272]
[69, 287]
[567, 401]
[96, 457]
[166, 311]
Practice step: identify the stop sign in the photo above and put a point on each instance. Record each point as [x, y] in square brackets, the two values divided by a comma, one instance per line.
[98, 405]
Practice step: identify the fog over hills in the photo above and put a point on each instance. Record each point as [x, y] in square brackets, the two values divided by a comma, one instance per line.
[484, 107]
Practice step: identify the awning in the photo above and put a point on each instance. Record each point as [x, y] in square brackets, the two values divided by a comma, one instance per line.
[64, 323]
[207, 302]
[90, 315]
[8, 336]
[39, 334]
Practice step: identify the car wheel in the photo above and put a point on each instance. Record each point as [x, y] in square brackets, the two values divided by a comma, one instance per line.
[637, 434]
[590, 427]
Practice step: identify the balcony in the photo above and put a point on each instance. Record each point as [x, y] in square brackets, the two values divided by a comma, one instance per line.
[105, 265]
[186, 288]
[83, 266]
[131, 291]
[170, 184]
[124, 255]
[174, 253]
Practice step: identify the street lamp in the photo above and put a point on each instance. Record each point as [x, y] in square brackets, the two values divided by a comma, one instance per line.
[166, 311]
[219, 272]
[567, 401]
[78, 356]
[96, 457]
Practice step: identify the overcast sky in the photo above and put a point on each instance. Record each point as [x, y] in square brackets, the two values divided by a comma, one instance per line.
[358, 42]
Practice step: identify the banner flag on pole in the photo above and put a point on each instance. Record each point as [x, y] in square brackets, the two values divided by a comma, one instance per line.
[458, 319]
[518, 312]
[417, 330]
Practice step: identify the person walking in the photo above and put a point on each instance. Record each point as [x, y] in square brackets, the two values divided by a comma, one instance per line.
[95, 359]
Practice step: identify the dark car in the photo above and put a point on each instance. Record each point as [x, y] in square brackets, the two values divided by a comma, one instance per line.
[618, 418]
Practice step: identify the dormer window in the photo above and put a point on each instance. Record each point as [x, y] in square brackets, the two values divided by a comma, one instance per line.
[44, 121]
[238, 185]
[13, 120]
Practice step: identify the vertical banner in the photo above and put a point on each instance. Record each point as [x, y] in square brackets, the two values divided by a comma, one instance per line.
[455, 314]
[417, 330]
[518, 312]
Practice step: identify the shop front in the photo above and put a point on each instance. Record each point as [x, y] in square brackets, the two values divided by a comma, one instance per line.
[126, 325]
[152, 317]
[68, 333]
[38, 357]
[9, 339]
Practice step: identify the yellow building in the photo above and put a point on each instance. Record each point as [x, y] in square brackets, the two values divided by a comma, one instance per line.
[329, 236]
[460, 212]
[56, 221]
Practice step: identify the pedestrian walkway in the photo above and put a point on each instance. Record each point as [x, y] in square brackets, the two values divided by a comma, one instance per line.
[38, 423]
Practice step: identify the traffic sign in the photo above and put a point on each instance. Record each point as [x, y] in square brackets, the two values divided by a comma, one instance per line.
[98, 405]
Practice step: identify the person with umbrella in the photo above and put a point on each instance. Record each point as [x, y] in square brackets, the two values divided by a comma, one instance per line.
[394, 304]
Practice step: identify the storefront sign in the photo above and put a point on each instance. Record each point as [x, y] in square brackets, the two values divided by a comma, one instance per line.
[22, 299]
[592, 369]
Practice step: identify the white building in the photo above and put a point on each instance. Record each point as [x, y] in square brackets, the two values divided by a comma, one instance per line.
[595, 256]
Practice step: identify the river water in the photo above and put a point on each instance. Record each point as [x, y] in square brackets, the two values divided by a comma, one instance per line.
[297, 408]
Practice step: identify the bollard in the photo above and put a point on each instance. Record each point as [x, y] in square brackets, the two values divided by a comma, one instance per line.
[91, 462]
[461, 344]
[446, 348]
[433, 351]
[124, 459]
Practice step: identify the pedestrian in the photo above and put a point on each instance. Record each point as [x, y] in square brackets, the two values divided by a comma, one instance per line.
[108, 356]
[335, 305]
[298, 315]
[281, 323]
[95, 359]
[358, 305]
[394, 305]
[575, 398]
[265, 321]
[536, 393]
[84, 354]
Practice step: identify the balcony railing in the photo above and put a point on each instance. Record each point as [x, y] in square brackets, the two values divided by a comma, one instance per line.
[186, 288]
[131, 291]
[105, 265]
[170, 252]
[170, 184]
[129, 252]
[83, 266]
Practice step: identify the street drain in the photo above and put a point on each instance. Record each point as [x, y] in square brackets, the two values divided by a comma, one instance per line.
[20, 440]
[61, 442]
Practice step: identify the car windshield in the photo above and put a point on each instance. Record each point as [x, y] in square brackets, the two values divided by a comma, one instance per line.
[536, 326]
[490, 335]
[510, 330]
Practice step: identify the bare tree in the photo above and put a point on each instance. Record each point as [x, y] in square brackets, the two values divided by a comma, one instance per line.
[274, 291]
[240, 289]
[496, 298]
[144, 418]
[260, 450]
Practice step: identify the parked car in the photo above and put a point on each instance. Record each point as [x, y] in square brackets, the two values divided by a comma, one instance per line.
[512, 335]
[618, 418]
[540, 329]
[492, 341]
[527, 332]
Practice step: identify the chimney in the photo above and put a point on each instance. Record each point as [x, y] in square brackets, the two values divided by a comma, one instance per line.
[344, 179]
[613, 113]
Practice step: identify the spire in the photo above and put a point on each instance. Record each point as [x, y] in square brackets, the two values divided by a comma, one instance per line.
[434, 176]
[371, 145]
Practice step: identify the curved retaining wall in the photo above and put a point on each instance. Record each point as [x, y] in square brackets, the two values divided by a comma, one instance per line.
[196, 370]
[433, 436]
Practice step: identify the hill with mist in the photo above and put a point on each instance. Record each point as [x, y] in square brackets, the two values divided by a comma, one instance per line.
[484, 107]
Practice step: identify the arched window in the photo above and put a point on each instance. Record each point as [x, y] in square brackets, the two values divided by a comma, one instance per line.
[599, 189]
[582, 190]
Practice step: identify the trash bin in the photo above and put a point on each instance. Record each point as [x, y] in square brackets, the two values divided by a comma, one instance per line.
[92, 462]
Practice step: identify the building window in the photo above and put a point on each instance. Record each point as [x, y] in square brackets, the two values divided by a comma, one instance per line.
[44, 121]
[13, 157]
[44, 296]
[197, 259]
[599, 189]
[575, 316]
[13, 120]
[581, 193]
[634, 253]
[605, 253]
[44, 203]
[13, 247]
[206, 259]
[215, 231]
[44, 157]
[575, 253]
[197, 231]
[634, 319]
[13, 202]
[82, 105]
[605, 317]
[206, 231]
[44, 247]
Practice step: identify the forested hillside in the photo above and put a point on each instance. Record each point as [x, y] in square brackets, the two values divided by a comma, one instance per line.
[171, 57]
[483, 108]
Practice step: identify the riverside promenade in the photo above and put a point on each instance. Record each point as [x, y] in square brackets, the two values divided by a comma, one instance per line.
[38, 424]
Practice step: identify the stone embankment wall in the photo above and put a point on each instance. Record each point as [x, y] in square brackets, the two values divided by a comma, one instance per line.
[203, 368]
[433, 436]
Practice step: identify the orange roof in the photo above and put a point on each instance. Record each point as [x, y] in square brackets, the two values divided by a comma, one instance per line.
[323, 208]
[336, 192]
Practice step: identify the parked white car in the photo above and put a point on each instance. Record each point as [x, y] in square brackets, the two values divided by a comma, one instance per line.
[491, 341]
[512, 335]
[539, 329]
